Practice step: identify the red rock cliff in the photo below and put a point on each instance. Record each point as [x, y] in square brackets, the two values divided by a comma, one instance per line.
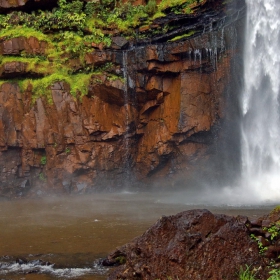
[153, 123]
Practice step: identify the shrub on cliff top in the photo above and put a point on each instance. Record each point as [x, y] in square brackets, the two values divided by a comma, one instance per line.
[110, 14]
[70, 29]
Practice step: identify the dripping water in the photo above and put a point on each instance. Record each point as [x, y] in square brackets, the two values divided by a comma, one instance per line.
[127, 141]
[260, 126]
[197, 55]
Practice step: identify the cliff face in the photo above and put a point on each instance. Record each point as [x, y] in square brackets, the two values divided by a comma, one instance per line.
[148, 113]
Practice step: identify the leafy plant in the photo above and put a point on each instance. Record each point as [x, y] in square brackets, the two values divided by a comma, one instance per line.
[274, 274]
[274, 230]
[43, 160]
[262, 248]
[246, 274]
[186, 35]
[151, 7]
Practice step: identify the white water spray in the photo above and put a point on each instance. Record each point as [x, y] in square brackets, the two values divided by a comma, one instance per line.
[260, 127]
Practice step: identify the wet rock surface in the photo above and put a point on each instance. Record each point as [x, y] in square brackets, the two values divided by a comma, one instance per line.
[194, 244]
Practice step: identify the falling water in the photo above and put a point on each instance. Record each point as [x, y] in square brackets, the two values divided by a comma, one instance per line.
[127, 141]
[260, 101]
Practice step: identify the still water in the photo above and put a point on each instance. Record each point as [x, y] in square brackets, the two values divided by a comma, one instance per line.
[65, 237]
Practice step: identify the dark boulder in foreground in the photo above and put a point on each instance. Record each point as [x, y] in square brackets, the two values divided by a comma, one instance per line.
[192, 245]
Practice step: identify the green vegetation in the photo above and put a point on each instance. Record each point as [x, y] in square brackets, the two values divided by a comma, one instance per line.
[186, 35]
[274, 274]
[70, 31]
[121, 259]
[42, 177]
[246, 274]
[78, 84]
[177, 6]
[269, 236]
[262, 248]
[95, 20]
[275, 210]
[9, 31]
[34, 64]
[274, 230]
[43, 160]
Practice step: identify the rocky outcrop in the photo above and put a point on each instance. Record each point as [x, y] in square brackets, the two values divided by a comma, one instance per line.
[12, 4]
[18, 45]
[149, 113]
[265, 231]
[194, 245]
[6, 5]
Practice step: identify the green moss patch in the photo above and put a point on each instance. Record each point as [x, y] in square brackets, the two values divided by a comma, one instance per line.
[184, 36]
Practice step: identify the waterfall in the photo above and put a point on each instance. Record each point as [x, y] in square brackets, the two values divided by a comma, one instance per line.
[260, 126]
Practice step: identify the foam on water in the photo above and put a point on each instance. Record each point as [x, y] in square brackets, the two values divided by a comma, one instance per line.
[37, 267]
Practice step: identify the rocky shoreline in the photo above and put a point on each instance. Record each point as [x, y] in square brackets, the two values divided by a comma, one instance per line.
[197, 244]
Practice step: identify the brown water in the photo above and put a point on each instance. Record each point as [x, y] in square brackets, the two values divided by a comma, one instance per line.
[75, 232]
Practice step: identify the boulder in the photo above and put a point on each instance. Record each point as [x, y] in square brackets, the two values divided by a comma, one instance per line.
[194, 244]
[119, 43]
